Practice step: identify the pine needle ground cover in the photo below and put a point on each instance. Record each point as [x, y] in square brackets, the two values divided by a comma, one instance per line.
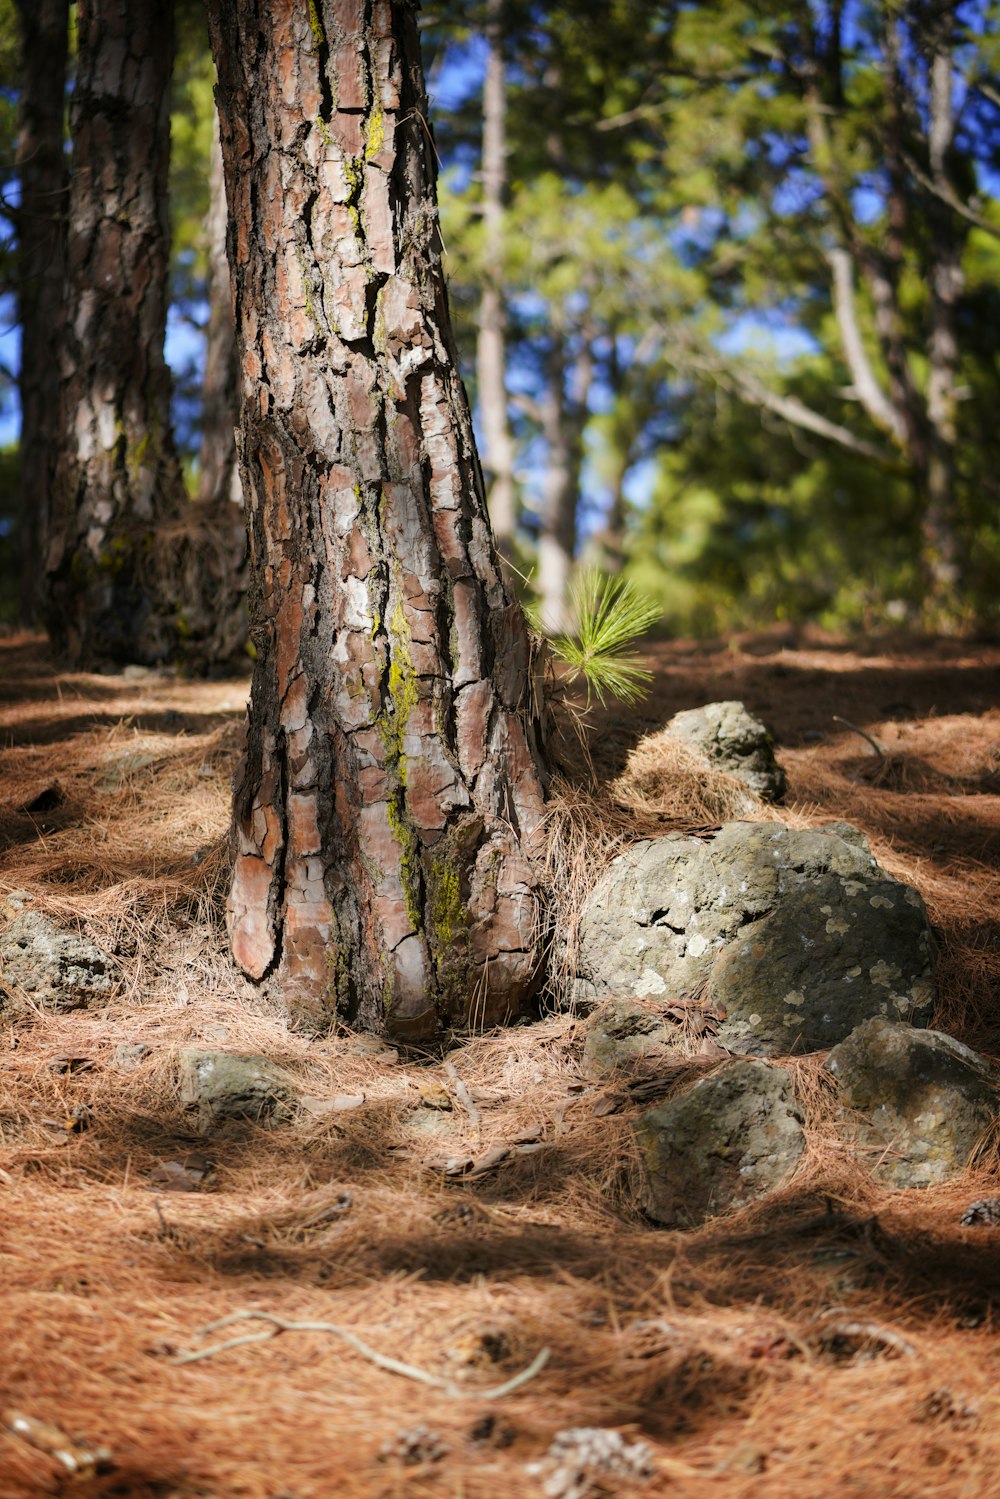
[466, 1213]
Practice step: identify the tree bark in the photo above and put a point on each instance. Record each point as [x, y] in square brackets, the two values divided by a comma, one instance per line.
[118, 481]
[41, 237]
[491, 348]
[390, 789]
[134, 572]
[218, 471]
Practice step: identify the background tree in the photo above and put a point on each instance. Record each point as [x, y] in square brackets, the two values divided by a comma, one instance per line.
[739, 204]
[390, 785]
[133, 572]
[41, 237]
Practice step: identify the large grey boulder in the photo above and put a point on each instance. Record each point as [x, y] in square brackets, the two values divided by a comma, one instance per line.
[59, 970]
[725, 736]
[221, 1087]
[794, 935]
[923, 1101]
[729, 1139]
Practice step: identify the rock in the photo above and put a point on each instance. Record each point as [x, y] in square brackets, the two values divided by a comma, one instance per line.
[61, 970]
[622, 1031]
[123, 765]
[729, 1139]
[925, 1100]
[725, 736]
[222, 1086]
[795, 936]
[128, 1055]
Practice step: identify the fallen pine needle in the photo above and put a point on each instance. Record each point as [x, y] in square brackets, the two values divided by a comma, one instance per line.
[381, 1360]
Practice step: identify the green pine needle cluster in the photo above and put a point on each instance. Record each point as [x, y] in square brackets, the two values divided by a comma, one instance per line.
[610, 616]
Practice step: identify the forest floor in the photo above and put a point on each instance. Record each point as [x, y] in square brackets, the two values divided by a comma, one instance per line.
[839, 1338]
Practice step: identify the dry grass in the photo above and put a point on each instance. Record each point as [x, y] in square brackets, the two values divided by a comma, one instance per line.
[837, 1338]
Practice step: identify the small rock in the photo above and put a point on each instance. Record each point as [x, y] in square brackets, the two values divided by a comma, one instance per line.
[128, 1055]
[121, 767]
[925, 1100]
[725, 736]
[221, 1087]
[61, 970]
[729, 1139]
[621, 1032]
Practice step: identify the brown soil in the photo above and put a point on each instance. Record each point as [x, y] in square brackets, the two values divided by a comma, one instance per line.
[838, 1339]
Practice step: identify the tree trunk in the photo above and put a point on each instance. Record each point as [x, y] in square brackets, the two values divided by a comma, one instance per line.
[563, 416]
[134, 572]
[942, 550]
[41, 235]
[491, 348]
[390, 788]
[214, 564]
[118, 481]
[218, 471]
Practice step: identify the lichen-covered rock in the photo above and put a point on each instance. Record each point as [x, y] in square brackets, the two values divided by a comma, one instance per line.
[725, 736]
[59, 970]
[729, 1139]
[796, 935]
[623, 1031]
[923, 1101]
[221, 1086]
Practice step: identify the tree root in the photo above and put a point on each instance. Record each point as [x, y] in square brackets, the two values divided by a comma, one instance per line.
[381, 1360]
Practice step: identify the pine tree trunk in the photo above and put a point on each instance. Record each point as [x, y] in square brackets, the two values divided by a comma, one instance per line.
[942, 549]
[218, 471]
[491, 348]
[118, 480]
[41, 234]
[563, 416]
[134, 572]
[390, 788]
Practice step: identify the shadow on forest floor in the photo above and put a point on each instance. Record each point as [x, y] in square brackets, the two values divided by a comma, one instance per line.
[836, 1337]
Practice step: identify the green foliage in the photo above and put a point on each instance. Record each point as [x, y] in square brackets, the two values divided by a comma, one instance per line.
[671, 207]
[610, 616]
[192, 112]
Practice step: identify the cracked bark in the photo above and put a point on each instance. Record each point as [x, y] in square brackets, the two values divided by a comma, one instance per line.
[134, 572]
[390, 790]
[41, 231]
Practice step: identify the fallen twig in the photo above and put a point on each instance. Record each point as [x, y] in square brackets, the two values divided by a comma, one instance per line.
[854, 728]
[464, 1097]
[381, 1360]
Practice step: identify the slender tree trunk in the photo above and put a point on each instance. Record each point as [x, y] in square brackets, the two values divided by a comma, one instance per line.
[491, 350]
[563, 416]
[218, 471]
[214, 569]
[390, 787]
[942, 552]
[118, 481]
[41, 234]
